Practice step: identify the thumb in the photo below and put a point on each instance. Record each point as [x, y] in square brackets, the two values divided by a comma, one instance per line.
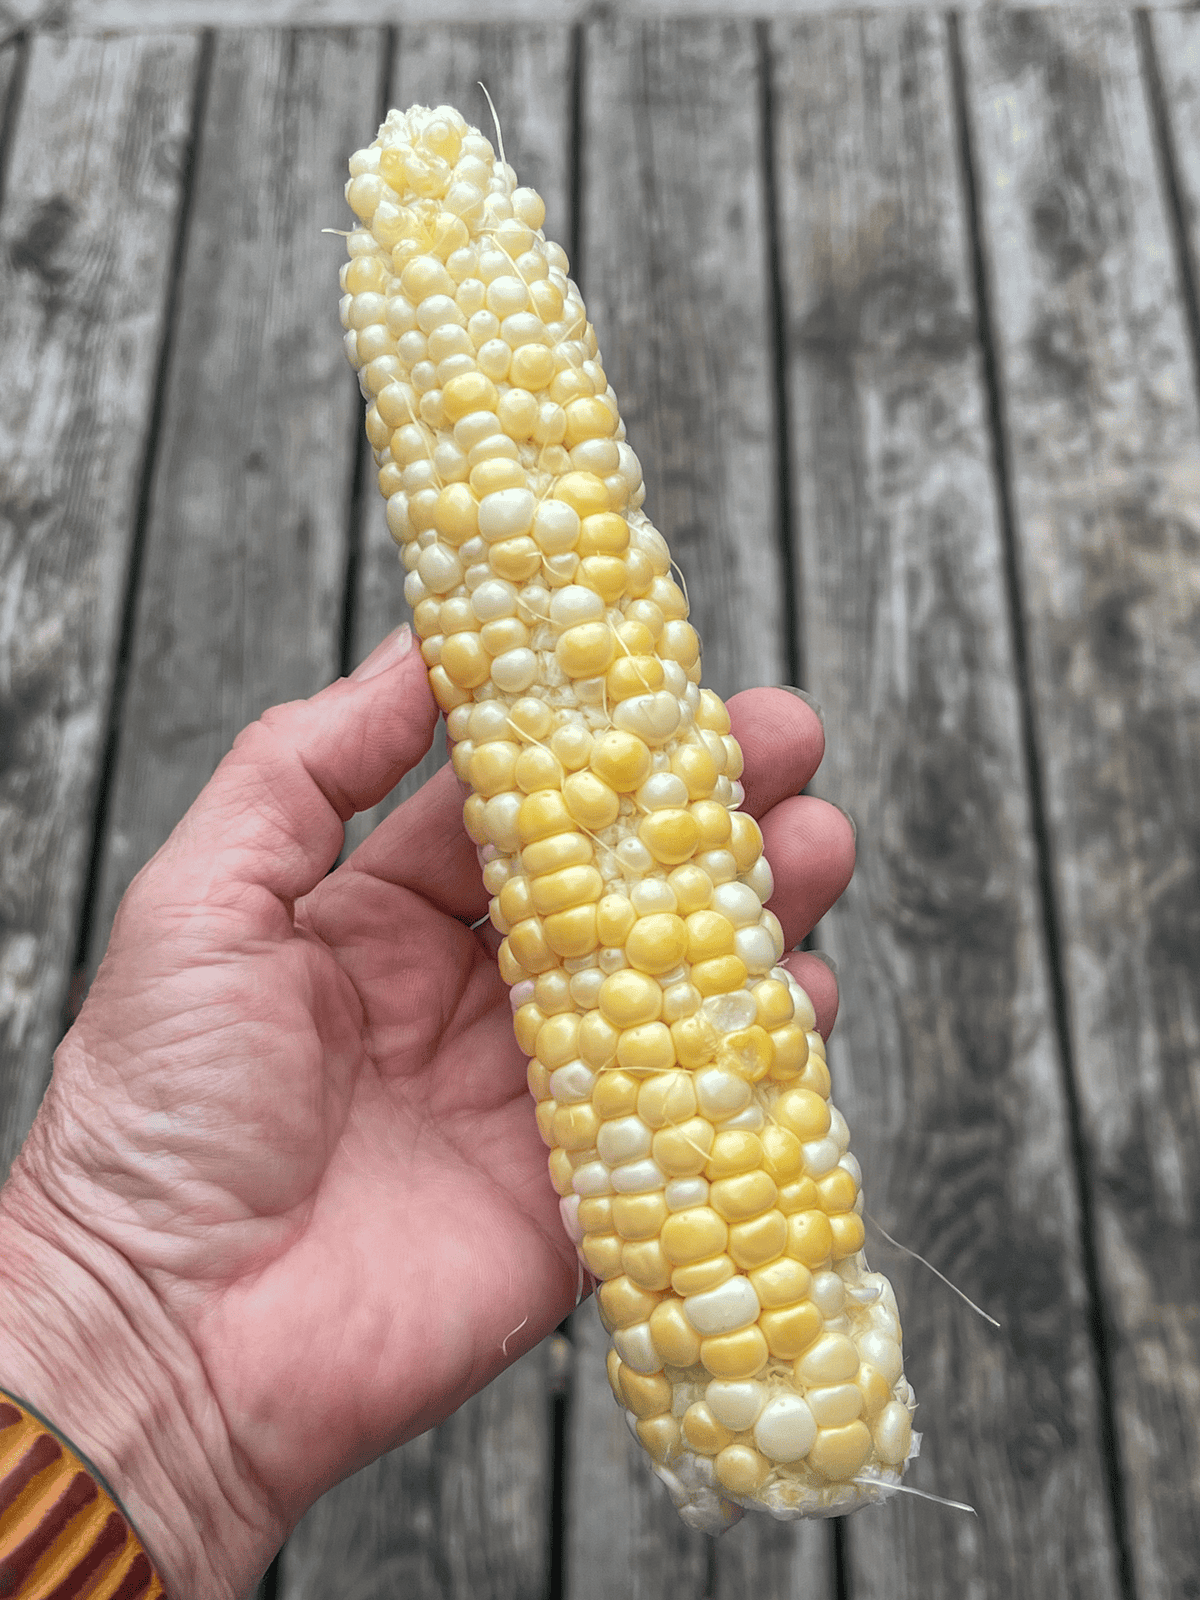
[273, 812]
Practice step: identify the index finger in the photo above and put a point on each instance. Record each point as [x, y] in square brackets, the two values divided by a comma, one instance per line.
[782, 744]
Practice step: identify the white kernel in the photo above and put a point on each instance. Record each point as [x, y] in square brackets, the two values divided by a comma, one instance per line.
[838, 1131]
[833, 1405]
[505, 514]
[773, 928]
[653, 717]
[575, 604]
[534, 603]
[476, 425]
[481, 325]
[522, 993]
[585, 988]
[489, 720]
[623, 1139]
[500, 821]
[820, 1156]
[720, 1093]
[523, 328]
[730, 1012]
[829, 1359]
[755, 947]
[414, 590]
[893, 1433]
[611, 959]
[497, 871]
[828, 1292]
[572, 1083]
[651, 895]
[591, 1178]
[637, 1177]
[493, 599]
[725, 1309]
[469, 296]
[785, 1431]
[596, 455]
[636, 1348]
[737, 902]
[506, 295]
[882, 1352]
[450, 461]
[568, 1210]
[752, 1120]
[675, 680]
[660, 790]
[850, 1164]
[680, 1000]
[734, 1403]
[682, 1193]
[633, 856]
[719, 864]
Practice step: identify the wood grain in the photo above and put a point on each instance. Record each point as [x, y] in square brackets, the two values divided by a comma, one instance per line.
[85, 246]
[675, 276]
[245, 555]
[528, 73]
[944, 1059]
[1175, 44]
[1100, 410]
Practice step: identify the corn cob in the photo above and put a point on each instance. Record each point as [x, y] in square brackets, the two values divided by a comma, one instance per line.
[703, 1173]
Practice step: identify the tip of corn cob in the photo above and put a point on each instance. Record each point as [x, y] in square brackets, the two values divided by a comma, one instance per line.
[703, 1171]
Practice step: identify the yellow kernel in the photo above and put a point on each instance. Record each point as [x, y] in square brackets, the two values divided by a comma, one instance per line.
[601, 1254]
[693, 1235]
[552, 992]
[630, 675]
[669, 598]
[711, 713]
[621, 759]
[837, 1191]
[736, 1355]
[532, 367]
[515, 559]
[791, 1330]
[893, 1434]
[515, 901]
[849, 1235]
[572, 886]
[615, 1093]
[605, 574]
[798, 1195]
[615, 916]
[596, 1213]
[586, 651]
[646, 1265]
[810, 1238]
[646, 1395]
[646, 1048]
[735, 1150]
[659, 1435]
[506, 633]
[692, 887]
[835, 1404]
[465, 661]
[774, 1001]
[748, 1052]
[628, 997]
[470, 391]
[832, 1359]
[751, 1244]
[696, 1040]
[803, 1113]
[583, 491]
[876, 1390]
[590, 801]
[527, 942]
[638, 1216]
[576, 1127]
[604, 534]
[791, 1049]
[674, 1338]
[597, 1041]
[745, 840]
[509, 967]
[682, 1151]
[667, 1098]
[613, 1365]
[670, 835]
[558, 850]
[365, 274]
[782, 1282]
[517, 413]
[526, 1024]
[657, 943]
[712, 820]
[562, 1174]
[746, 1195]
[637, 640]
[709, 934]
[497, 473]
[680, 642]
[492, 763]
[740, 1468]
[815, 1075]
[587, 418]
[721, 975]
[702, 1430]
[558, 1039]
[782, 1156]
[544, 1117]
[840, 1452]
[541, 815]
[734, 765]
[697, 1277]
[622, 1303]
[571, 934]
[536, 768]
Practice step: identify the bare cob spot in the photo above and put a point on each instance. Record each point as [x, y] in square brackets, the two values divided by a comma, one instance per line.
[703, 1171]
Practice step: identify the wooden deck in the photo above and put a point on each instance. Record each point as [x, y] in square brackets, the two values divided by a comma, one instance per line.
[902, 310]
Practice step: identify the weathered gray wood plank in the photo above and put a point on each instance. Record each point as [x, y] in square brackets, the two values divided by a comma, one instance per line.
[464, 1510]
[944, 1059]
[1175, 42]
[241, 591]
[674, 270]
[528, 73]
[85, 250]
[1100, 410]
[99, 16]
[459, 1514]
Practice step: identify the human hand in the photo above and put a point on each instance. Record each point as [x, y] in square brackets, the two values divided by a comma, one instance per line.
[287, 1180]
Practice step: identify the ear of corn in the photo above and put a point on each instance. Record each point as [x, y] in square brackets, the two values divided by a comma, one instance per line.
[704, 1174]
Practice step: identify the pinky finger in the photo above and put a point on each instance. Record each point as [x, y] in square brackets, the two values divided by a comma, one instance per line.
[817, 980]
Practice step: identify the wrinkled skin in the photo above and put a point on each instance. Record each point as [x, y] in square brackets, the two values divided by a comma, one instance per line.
[289, 1134]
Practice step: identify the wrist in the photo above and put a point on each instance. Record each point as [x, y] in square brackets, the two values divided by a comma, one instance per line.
[85, 1342]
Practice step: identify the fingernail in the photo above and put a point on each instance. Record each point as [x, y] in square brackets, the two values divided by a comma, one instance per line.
[803, 694]
[385, 654]
[825, 959]
[848, 817]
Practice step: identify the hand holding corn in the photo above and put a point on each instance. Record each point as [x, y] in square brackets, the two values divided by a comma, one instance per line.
[704, 1174]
